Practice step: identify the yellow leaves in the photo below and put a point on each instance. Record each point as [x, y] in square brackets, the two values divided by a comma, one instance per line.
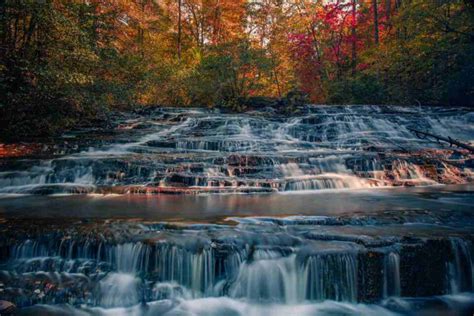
[74, 78]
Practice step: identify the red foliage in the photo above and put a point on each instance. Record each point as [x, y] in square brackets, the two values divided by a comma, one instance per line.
[18, 150]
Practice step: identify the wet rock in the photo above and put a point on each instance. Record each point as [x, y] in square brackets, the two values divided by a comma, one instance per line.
[65, 261]
[7, 308]
[370, 276]
[425, 263]
[252, 149]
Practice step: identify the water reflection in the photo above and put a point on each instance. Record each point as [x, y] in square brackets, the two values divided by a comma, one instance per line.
[459, 198]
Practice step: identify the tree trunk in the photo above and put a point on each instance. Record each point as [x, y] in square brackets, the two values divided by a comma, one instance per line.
[275, 73]
[376, 22]
[447, 139]
[141, 32]
[4, 25]
[179, 30]
[354, 36]
[388, 8]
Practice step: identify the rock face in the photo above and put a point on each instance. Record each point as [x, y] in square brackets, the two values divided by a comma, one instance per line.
[273, 260]
[7, 308]
[201, 151]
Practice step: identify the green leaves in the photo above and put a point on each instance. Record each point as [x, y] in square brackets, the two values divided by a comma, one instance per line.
[227, 73]
[89, 56]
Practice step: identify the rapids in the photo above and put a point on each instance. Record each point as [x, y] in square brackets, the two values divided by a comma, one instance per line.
[202, 151]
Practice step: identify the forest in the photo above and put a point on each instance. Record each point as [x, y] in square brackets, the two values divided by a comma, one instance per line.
[69, 63]
[236, 157]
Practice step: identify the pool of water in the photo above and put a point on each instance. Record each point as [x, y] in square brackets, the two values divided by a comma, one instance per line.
[452, 199]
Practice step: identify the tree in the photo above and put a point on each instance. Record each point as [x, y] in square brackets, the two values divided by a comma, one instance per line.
[68, 62]
[229, 74]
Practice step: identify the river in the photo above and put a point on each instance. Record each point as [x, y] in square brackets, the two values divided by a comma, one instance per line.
[334, 210]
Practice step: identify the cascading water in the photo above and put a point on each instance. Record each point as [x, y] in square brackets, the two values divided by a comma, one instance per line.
[320, 271]
[391, 285]
[262, 261]
[193, 270]
[461, 268]
[119, 290]
[268, 277]
[353, 259]
[203, 151]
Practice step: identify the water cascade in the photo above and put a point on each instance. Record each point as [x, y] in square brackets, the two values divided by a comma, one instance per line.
[193, 151]
[289, 262]
[391, 286]
[360, 252]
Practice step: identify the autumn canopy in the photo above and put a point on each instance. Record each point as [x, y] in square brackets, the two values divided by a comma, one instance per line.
[71, 61]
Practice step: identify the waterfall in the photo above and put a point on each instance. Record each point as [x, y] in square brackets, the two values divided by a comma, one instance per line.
[193, 270]
[391, 285]
[264, 261]
[326, 181]
[269, 277]
[119, 290]
[29, 249]
[331, 276]
[130, 257]
[187, 266]
[320, 148]
[291, 170]
[461, 268]
[272, 277]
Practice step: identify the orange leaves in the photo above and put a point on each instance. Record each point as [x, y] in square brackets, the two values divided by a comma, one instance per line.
[18, 150]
